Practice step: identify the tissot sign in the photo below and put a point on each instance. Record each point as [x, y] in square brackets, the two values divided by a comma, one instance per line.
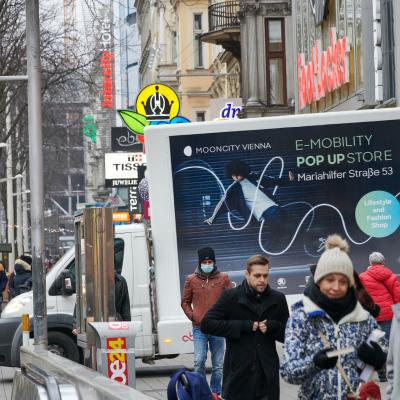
[325, 72]
[124, 169]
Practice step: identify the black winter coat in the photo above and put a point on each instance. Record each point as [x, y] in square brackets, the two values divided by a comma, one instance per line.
[21, 282]
[232, 317]
[122, 303]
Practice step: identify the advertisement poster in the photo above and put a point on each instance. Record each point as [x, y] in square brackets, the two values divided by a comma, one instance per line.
[281, 192]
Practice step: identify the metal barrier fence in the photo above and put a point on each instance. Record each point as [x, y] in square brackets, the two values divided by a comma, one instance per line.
[46, 376]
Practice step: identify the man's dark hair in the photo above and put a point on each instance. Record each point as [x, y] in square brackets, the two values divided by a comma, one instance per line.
[237, 168]
[256, 260]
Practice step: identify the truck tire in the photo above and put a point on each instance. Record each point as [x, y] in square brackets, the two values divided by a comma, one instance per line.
[63, 345]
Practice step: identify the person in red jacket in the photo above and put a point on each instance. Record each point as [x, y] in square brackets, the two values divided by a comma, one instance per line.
[201, 291]
[384, 288]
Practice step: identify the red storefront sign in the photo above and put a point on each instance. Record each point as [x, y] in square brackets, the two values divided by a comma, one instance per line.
[106, 63]
[328, 70]
[117, 360]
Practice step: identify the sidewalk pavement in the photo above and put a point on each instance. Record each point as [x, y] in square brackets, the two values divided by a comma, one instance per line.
[153, 379]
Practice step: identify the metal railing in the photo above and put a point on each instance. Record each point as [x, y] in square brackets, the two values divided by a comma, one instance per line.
[224, 15]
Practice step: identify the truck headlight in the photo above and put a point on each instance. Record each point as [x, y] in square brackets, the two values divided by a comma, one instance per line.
[16, 305]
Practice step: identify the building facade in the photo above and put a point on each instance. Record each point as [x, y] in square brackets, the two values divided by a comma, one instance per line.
[174, 53]
[345, 54]
[258, 34]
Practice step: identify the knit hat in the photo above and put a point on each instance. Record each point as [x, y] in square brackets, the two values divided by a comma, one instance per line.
[335, 260]
[206, 253]
[26, 261]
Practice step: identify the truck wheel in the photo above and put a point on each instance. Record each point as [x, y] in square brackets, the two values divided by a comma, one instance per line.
[61, 344]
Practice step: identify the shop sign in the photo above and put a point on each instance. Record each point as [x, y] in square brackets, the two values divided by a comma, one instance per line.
[124, 169]
[89, 127]
[133, 199]
[327, 71]
[106, 64]
[121, 216]
[122, 139]
[5, 248]
[117, 360]
[229, 111]
[156, 104]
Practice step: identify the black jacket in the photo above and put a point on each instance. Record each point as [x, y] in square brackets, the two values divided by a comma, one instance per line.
[122, 303]
[3, 281]
[21, 282]
[232, 317]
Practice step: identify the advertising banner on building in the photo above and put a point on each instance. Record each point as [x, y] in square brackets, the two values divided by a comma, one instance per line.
[281, 192]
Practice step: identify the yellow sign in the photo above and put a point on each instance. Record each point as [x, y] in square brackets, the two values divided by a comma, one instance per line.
[121, 216]
[157, 102]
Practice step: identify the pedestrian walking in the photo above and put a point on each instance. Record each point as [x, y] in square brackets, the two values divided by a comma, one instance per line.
[383, 286]
[364, 297]
[393, 360]
[202, 289]
[252, 318]
[22, 280]
[3, 283]
[329, 317]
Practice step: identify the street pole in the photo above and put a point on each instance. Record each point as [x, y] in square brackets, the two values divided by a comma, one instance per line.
[19, 216]
[36, 171]
[10, 200]
[25, 215]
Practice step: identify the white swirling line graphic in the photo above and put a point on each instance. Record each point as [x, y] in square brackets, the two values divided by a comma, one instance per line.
[263, 221]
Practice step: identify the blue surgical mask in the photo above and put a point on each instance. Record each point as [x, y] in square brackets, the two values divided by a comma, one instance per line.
[207, 268]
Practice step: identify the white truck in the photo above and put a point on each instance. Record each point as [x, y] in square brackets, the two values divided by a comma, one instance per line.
[276, 186]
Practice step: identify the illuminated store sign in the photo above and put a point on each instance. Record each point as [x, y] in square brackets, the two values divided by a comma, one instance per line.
[327, 71]
[106, 64]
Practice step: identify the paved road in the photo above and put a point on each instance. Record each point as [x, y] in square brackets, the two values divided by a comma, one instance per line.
[151, 380]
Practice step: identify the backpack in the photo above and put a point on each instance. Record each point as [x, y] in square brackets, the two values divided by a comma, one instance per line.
[185, 385]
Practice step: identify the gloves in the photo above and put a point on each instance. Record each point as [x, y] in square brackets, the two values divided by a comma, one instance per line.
[372, 354]
[321, 360]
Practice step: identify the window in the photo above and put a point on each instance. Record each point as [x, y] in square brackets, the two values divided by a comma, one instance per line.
[119, 248]
[200, 116]
[198, 44]
[276, 61]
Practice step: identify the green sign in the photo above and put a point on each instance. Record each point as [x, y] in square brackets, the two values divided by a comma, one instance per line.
[5, 248]
[89, 128]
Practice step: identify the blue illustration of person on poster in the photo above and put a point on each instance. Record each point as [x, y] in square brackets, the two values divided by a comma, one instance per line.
[250, 196]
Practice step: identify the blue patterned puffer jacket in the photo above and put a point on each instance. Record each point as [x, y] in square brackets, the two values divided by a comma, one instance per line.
[302, 342]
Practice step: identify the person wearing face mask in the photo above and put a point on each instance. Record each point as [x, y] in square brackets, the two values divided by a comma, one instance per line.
[202, 289]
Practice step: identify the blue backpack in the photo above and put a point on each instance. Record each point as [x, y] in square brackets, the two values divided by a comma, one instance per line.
[185, 385]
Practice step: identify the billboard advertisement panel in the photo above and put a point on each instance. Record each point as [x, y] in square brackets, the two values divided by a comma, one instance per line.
[280, 192]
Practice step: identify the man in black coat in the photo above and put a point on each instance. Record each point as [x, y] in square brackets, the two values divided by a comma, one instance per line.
[251, 317]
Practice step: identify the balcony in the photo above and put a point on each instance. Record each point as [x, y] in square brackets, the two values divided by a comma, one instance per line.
[224, 26]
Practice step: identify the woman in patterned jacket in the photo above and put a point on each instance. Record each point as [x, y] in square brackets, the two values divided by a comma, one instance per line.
[329, 318]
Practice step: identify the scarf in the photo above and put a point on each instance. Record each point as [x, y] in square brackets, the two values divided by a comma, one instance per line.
[252, 294]
[335, 308]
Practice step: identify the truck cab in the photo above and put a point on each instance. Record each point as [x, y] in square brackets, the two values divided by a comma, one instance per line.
[131, 258]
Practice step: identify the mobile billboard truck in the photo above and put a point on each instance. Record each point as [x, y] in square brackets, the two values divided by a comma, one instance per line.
[275, 186]
[307, 176]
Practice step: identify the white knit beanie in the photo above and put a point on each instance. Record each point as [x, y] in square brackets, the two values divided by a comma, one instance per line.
[335, 260]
